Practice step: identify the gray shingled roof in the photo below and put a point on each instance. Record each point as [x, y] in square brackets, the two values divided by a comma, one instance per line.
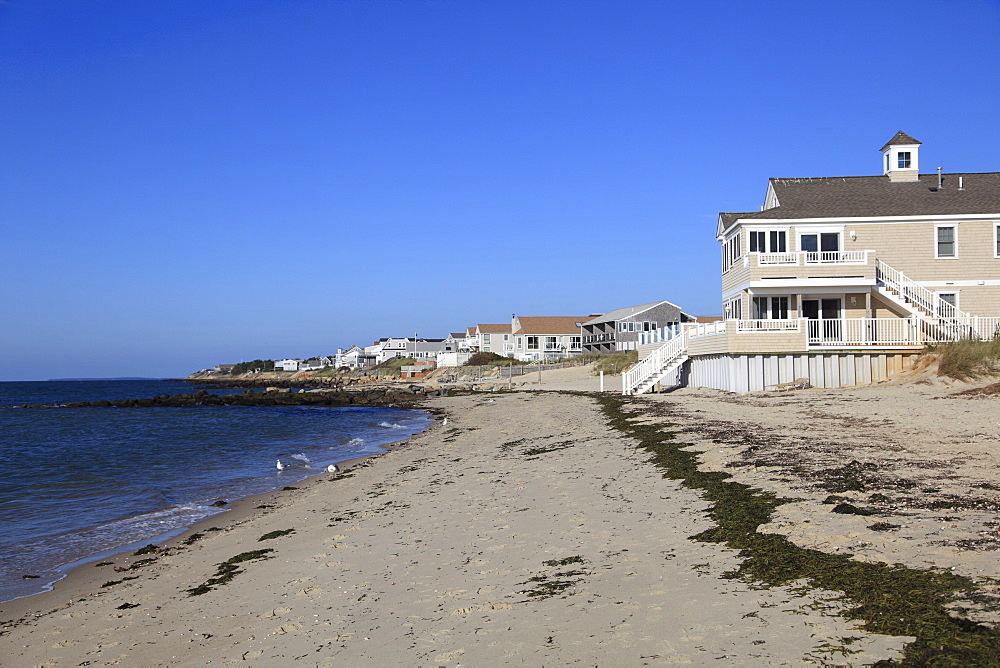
[872, 196]
[622, 313]
[900, 138]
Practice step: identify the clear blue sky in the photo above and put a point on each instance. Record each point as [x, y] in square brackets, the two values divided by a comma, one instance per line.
[186, 183]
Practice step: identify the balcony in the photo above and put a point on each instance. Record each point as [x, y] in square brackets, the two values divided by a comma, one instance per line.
[804, 258]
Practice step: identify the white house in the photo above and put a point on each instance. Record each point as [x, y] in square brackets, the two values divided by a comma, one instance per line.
[287, 365]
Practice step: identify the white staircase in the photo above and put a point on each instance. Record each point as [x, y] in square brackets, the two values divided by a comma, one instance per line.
[904, 292]
[662, 362]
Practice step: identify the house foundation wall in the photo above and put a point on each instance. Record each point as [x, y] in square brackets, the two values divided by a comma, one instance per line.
[757, 372]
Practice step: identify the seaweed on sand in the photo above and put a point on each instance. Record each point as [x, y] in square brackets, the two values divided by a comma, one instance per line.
[227, 570]
[889, 599]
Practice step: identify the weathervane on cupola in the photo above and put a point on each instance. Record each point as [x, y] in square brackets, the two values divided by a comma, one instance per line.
[900, 158]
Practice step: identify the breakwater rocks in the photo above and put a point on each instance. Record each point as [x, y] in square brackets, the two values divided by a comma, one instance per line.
[393, 397]
[332, 382]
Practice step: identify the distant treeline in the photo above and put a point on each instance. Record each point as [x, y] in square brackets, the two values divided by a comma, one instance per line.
[243, 367]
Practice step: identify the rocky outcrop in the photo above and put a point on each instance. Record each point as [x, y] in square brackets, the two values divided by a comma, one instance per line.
[373, 396]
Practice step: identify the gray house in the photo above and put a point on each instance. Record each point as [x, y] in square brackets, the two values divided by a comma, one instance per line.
[620, 329]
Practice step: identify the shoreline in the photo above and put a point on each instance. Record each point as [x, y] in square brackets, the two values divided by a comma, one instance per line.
[76, 580]
[525, 530]
[234, 507]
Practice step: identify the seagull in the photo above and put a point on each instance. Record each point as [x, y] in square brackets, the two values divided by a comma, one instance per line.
[333, 468]
[281, 467]
[444, 422]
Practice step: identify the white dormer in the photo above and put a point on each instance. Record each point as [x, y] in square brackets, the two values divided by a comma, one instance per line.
[900, 158]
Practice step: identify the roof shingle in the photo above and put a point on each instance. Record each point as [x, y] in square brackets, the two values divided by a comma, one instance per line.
[877, 196]
[550, 324]
[900, 138]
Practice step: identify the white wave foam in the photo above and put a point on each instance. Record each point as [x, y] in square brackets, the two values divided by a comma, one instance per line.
[387, 425]
[356, 442]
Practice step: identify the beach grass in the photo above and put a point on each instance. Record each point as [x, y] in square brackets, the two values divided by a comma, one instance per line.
[968, 358]
[888, 599]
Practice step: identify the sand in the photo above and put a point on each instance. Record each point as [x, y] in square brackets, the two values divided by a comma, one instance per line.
[525, 531]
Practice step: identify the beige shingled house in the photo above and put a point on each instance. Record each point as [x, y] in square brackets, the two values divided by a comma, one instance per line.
[842, 280]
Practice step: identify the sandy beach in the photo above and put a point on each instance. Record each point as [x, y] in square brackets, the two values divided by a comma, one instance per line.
[527, 530]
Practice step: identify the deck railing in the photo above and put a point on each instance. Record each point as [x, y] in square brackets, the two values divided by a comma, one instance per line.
[769, 325]
[799, 258]
[914, 331]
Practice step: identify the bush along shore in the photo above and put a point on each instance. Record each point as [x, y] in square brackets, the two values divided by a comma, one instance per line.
[404, 396]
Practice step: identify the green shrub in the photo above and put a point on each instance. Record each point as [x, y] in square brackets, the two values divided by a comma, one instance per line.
[485, 359]
[243, 367]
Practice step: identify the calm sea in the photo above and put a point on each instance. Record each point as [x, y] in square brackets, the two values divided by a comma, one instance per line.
[79, 482]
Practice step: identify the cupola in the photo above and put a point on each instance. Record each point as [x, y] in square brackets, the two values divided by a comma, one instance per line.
[900, 158]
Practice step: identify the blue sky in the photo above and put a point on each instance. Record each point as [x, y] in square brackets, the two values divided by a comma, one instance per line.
[188, 183]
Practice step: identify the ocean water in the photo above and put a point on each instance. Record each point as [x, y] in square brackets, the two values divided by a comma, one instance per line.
[78, 482]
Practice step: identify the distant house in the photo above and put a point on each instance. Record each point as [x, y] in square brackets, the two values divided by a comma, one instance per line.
[456, 341]
[537, 338]
[287, 365]
[223, 368]
[353, 358]
[488, 338]
[315, 364]
[622, 328]
[393, 347]
[495, 339]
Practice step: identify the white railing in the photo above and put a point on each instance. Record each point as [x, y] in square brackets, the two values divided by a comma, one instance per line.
[769, 325]
[836, 257]
[659, 335]
[706, 329]
[654, 363]
[914, 331]
[778, 258]
[812, 257]
[907, 288]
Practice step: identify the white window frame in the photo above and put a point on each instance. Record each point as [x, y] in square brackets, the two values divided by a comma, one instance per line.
[958, 300]
[937, 242]
[732, 309]
[771, 234]
[996, 240]
[774, 308]
[537, 343]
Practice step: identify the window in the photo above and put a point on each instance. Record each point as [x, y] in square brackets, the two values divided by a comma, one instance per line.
[903, 159]
[946, 246]
[996, 238]
[532, 343]
[730, 252]
[733, 309]
[770, 308]
[825, 242]
[947, 304]
[506, 337]
[486, 338]
[551, 343]
[771, 241]
[575, 343]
